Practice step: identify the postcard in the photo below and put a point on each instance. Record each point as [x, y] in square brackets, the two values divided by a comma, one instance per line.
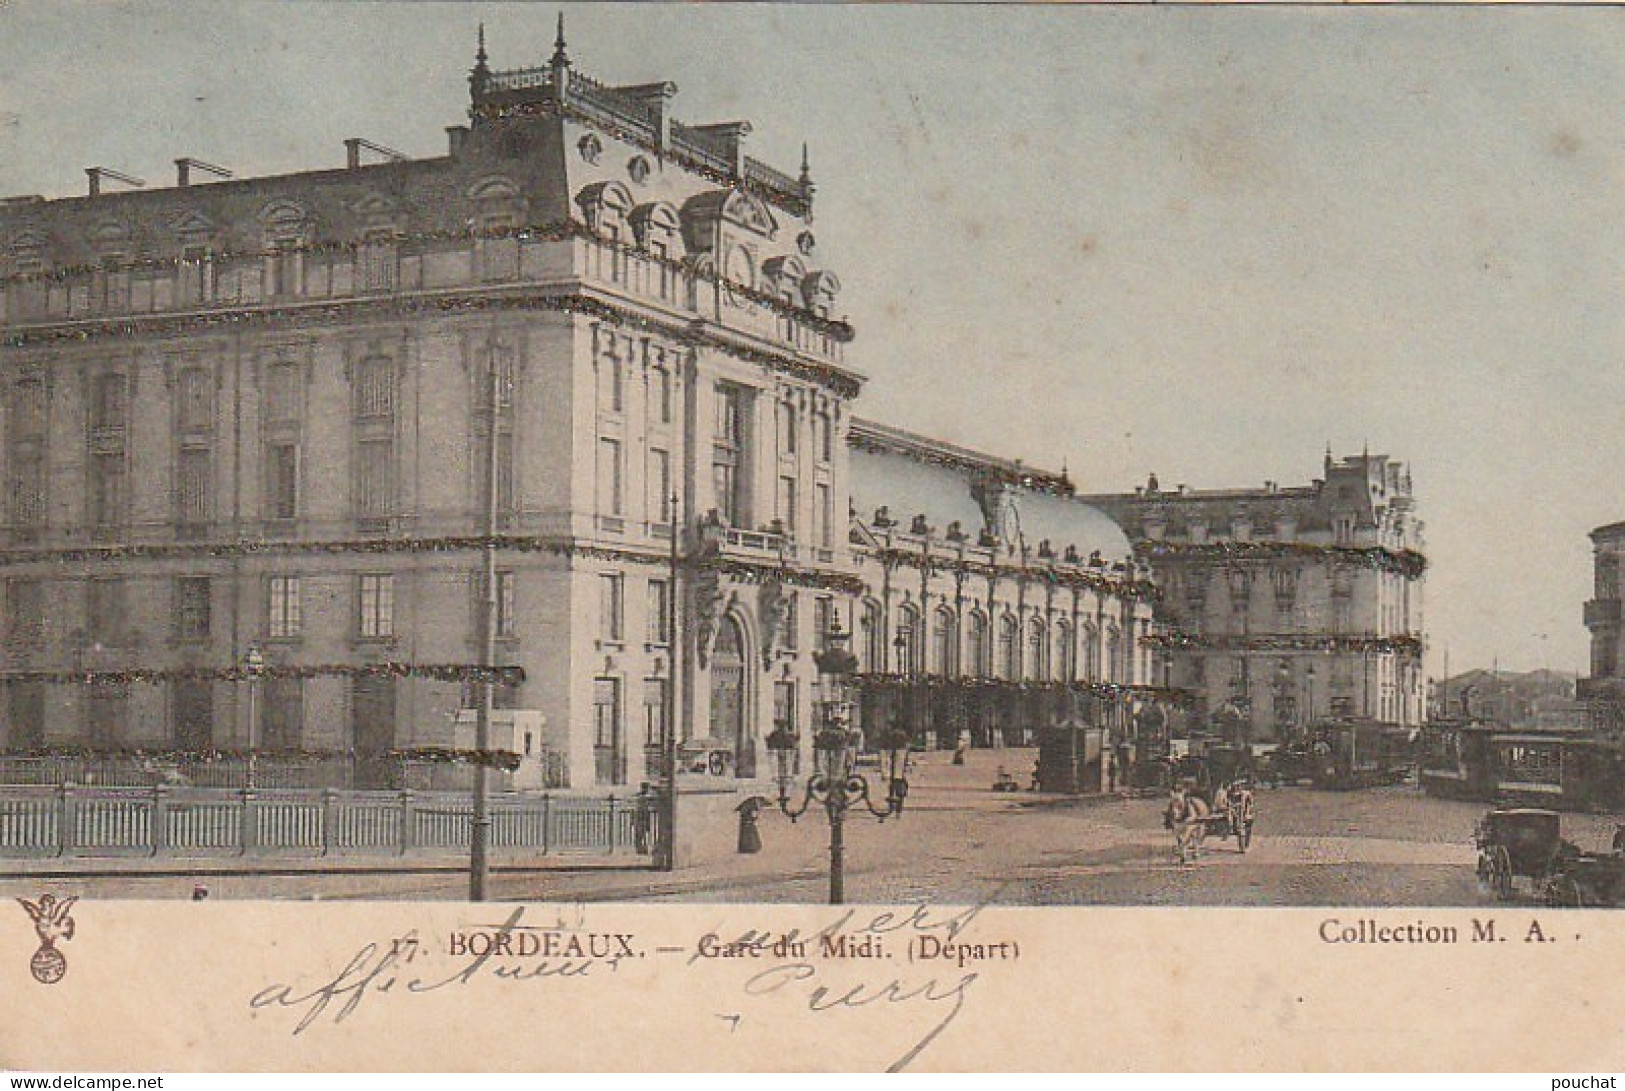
[810, 537]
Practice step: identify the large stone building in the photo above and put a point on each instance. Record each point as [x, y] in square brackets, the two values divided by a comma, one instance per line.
[1289, 604]
[1604, 690]
[274, 416]
[994, 604]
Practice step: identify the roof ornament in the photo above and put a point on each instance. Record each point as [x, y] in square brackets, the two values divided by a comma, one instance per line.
[806, 168]
[561, 59]
[480, 75]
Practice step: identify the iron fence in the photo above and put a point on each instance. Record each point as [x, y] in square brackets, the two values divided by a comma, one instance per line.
[70, 820]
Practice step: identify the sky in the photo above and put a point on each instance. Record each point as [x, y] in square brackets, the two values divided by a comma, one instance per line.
[1202, 243]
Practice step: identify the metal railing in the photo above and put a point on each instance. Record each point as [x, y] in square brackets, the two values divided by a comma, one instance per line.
[338, 770]
[163, 821]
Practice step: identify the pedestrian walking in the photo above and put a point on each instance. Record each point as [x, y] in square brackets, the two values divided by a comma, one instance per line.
[750, 838]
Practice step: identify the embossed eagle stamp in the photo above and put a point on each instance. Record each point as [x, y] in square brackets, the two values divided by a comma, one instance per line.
[53, 924]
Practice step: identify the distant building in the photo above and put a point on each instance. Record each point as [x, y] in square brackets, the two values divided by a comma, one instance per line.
[1604, 690]
[1290, 604]
[1532, 699]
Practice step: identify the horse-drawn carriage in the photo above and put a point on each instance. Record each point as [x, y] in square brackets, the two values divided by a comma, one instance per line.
[1525, 843]
[1225, 811]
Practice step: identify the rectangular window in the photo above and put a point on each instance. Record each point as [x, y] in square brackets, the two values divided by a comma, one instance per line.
[107, 403]
[105, 621]
[662, 395]
[823, 621]
[505, 604]
[283, 615]
[659, 485]
[25, 612]
[284, 392]
[195, 400]
[375, 478]
[787, 504]
[826, 437]
[611, 500]
[788, 426]
[611, 609]
[107, 490]
[377, 599]
[730, 416]
[606, 732]
[613, 395]
[823, 516]
[375, 388]
[659, 612]
[282, 715]
[723, 482]
[192, 607]
[282, 485]
[193, 470]
[654, 712]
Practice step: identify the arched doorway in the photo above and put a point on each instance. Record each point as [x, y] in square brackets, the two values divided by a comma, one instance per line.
[730, 708]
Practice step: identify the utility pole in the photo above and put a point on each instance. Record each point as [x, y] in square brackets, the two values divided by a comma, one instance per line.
[667, 847]
[479, 835]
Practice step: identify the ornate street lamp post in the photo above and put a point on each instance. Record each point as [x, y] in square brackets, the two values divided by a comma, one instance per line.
[833, 782]
[253, 667]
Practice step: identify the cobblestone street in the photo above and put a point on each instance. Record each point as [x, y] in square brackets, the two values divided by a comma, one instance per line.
[959, 842]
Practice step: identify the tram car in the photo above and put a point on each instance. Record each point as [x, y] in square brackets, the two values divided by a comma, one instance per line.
[1566, 769]
[1355, 753]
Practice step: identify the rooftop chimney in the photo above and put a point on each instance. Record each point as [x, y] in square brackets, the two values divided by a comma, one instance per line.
[728, 137]
[352, 152]
[183, 170]
[96, 174]
[455, 135]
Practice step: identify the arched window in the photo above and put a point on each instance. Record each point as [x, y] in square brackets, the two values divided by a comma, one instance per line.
[977, 666]
[1037, 651]
[1009, 666]
[1114, 653]
[1091, 653]
[907, 641]
[872, 638]
[1064, 653]
[945, 643]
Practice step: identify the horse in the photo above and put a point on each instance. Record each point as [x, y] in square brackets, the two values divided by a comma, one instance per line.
[1186, 817]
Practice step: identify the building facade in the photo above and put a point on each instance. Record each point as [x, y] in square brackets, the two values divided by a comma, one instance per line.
[994, 604]
[278, 420]
[1289, 605]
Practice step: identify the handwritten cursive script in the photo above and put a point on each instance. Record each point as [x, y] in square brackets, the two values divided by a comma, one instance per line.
[379, 968]
[799, 976]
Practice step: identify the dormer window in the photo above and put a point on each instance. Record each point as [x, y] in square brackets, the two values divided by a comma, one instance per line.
[377, 258]
[284, 267]
[286, 234]
[196, 279]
